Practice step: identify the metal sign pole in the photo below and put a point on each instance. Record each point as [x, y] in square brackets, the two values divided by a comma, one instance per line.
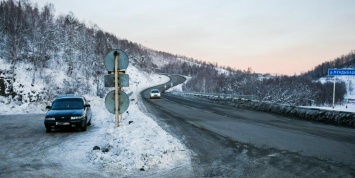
[347, 93]
[117, 103]
[334, 92]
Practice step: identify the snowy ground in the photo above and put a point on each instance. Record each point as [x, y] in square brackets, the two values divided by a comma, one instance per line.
[141, 144]
[347, 108]
[138, 143]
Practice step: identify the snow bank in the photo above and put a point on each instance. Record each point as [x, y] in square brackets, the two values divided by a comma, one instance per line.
[138, 143]
[14, 108]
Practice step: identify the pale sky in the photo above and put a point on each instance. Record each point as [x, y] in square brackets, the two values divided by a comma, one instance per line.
[270, 36]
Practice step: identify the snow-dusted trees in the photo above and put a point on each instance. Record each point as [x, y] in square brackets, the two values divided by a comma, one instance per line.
[69, 33]
[296, 90]
[100, 51]
[32, 34]
[42, 37]
[13, 28]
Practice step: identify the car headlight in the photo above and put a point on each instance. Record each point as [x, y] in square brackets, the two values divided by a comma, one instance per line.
[50, 119]
[77, 117]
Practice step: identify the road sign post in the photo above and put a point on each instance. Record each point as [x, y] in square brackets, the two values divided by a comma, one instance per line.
[339, 72]
[347, 94]
[334, 93]
[116, 101]
[117, 105]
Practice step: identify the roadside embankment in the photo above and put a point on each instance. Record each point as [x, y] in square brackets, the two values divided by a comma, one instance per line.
[334, 117]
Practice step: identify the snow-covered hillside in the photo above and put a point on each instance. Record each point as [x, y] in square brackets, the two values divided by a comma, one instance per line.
[139, 143]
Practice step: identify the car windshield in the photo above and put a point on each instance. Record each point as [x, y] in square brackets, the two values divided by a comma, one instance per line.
[155, 91]
[68, 104]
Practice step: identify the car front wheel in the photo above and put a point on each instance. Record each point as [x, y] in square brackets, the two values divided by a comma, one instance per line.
[83, 128]
[48, 130]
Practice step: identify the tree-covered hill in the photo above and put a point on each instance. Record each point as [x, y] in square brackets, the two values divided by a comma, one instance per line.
[344, 61]
[33, 35]
[49, 46]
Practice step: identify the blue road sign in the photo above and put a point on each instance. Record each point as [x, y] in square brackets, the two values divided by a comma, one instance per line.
[335, 72]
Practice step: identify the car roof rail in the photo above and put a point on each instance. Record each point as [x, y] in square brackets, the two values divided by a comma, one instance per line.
[64, 95]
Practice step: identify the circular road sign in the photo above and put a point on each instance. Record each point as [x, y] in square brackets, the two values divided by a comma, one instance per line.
[110, 101]
[110, 60]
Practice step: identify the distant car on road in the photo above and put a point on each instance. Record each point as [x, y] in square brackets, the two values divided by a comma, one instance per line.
[155, 93]
[68, 111]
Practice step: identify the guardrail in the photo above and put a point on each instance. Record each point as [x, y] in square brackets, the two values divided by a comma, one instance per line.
[246, 102]
[216, 95]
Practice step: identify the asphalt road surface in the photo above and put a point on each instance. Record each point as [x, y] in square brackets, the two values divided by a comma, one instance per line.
[232, 142]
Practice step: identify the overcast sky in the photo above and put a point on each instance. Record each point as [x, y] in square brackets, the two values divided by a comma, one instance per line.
[270, 36]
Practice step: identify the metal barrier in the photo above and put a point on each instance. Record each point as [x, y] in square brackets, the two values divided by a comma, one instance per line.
[219, 95]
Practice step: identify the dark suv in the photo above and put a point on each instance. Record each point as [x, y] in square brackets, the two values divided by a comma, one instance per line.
[68, 111]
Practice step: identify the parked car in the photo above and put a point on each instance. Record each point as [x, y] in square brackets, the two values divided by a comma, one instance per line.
[68, 111]
[155, 93]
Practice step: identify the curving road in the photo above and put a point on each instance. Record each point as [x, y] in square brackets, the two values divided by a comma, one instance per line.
[227, 141]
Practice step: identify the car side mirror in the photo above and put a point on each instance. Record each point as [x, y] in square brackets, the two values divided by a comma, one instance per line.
[87, 105]
[48, 107]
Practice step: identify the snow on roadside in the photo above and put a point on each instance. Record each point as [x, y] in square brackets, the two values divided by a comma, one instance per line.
[141, 144]
[138, 142]
[25, 108]
[346, 108]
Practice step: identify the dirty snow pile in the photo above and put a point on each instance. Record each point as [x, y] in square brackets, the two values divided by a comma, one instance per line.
[138, 143]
